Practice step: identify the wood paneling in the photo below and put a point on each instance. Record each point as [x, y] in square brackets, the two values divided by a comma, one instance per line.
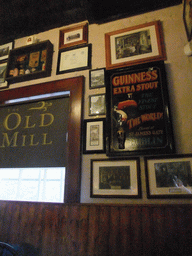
[98, 229]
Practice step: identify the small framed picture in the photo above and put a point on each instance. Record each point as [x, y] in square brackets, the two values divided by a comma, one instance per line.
[134, 45]
[73, 36]
[169, 176]
[4, 51]
[74, 59]
[96, 78]
[115, 178]
[187, 18]
[3, 69]
[97, 105]
[94, 136]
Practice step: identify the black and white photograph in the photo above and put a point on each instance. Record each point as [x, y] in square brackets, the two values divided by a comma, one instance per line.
[4, 50]
[97, 78]
[3, 69]
[97, 105]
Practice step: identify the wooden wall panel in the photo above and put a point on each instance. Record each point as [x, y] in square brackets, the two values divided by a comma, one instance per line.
[98, 229]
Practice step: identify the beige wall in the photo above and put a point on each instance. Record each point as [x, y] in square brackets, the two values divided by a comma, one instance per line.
[179, 76]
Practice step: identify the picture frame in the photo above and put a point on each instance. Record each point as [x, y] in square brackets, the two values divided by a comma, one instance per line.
[96, 78]
[115, 178]
[134, 45]
[94, 136]
[72, 36]
[74, 59]
[138, 115]
[4, 50]
[3, 70]
[169, 176]
[187, 18]
[97, 104]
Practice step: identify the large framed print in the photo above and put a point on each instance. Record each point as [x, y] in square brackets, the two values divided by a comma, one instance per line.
[169, 176]
[134, 45]
[115, 178]
[187, 17]
[74, 59]
[138, 113]
[4, 50]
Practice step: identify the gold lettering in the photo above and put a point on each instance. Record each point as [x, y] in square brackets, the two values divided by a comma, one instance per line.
[8, 142]
[32, 139]
[27, 123]
[42, 124]
[45, 140]
[5, 122]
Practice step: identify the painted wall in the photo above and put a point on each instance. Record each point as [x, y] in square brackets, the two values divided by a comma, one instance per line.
[179, 76]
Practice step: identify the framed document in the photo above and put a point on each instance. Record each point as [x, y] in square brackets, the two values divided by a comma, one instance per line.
[74, 59]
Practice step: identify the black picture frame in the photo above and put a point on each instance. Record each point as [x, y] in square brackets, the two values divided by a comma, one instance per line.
[187, 18]
[94, 136]
[3, 69]
[115, 178]
[74, 59]
[97, 104]
[96, 78]
[138, 112]
[169, 176]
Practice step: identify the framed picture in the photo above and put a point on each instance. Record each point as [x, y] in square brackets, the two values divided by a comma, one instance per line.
[134, 45]
[138, 115]
[3, 69]
[94, 136]
[73, 36]
[169, 176]
[187, 18]
[74, 59]
[96, 78]
[4, 50]
[115, 178]
[97, 105]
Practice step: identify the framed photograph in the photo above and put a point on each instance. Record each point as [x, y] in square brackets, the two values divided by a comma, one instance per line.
[94, 136]
[3, 69]
[96, 78]
[115, 178]
[169, 176]
[97, 105]
[187, 18]
[73, 36]
[138, 115]
[4, 50]
[74, 59]
[134, 45]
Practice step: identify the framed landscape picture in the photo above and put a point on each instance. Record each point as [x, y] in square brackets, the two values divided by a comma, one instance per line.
[4, 50]
[169, 176]
[187, 17]
[115, 178]
[97, 104]
[96, 78]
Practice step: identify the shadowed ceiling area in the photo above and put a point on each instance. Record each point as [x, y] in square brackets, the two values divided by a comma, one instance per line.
[19, 18]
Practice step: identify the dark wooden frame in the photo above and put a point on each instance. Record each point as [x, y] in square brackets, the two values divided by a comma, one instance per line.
[131, 60]
[85, 131]
[75, 87]
[116, 193]
[90, 105]
[90, 78]
[26, 50]
[178, 189]
[5, 83]
[187, 19]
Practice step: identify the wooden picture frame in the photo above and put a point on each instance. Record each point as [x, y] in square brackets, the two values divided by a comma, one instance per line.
[169, 176]
[134, 45]
[115, 178]
[138, 112]
[4, 50]
[73, 36]
[97, 104]
[74, 59]
[94, 136]
[96, 78]
[187, 18]
[3, 70]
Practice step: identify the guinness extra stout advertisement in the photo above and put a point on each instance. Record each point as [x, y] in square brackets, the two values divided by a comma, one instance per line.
[138, 115]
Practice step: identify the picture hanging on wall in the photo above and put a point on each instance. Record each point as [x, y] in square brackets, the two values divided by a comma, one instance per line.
[138, 112]
[115, 178]
[169, 176]
[97, 105]
[3, 68]
[4, 50]
[96, 78]
[134, 45]
[187, 17]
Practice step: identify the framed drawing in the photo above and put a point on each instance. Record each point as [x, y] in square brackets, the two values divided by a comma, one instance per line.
[73, 36]
[97, 105]
[96, 78]
[115, 178]
[169, 176]
[3, 68]
[4, 50]
[138, 115]
[74, 59]
[134, 45]
[187, 18]
[94, 136]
